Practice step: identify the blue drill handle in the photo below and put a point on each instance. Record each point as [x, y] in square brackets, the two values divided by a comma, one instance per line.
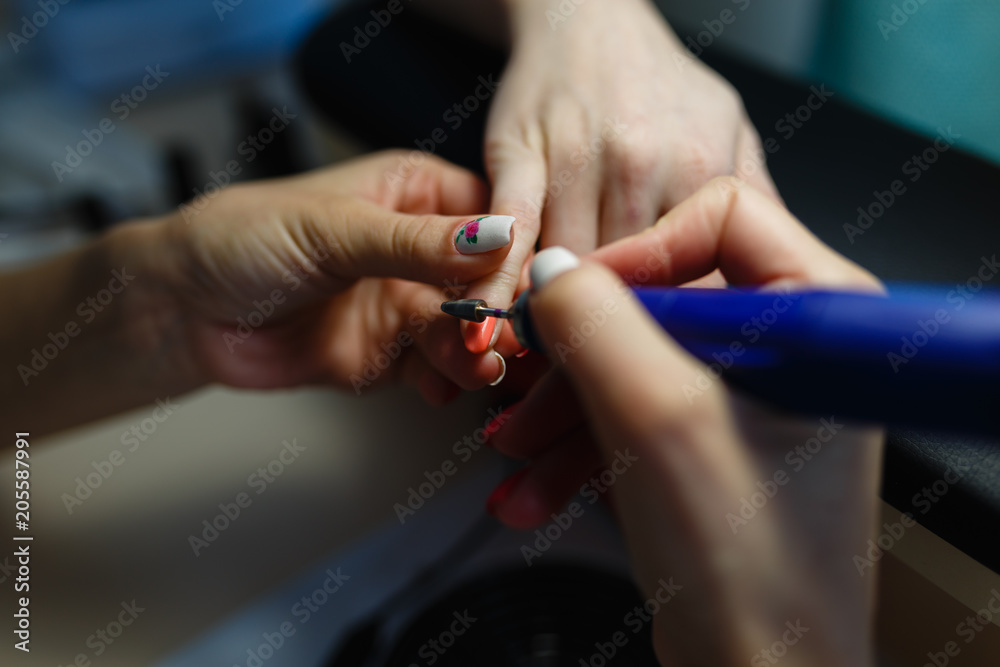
[922, 356]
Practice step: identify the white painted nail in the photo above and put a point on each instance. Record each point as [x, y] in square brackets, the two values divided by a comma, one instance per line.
[484, 234]
[503, 369]
[550, 263]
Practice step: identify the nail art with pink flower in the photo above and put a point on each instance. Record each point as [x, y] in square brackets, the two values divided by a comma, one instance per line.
[484, 234]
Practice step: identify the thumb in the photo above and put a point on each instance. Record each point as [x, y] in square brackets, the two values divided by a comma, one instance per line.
[629, 374]
[372, 241]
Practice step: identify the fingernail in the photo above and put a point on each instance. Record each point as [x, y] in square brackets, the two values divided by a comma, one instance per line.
[484, 234]
[499, 421]
[503, 491]
[550, 263]
[518, 350]
[479, 335]
[503, 369]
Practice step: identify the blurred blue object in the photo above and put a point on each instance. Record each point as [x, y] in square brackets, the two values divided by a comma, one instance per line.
[103, 45]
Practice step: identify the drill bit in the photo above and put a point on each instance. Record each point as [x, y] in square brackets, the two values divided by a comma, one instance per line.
[473, 310]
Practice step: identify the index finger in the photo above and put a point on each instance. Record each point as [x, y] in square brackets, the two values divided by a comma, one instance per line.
[728, 225]
[518, 173]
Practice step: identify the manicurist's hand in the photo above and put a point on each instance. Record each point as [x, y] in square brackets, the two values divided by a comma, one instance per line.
[758, 563]
[603, 122]
[361, 268]
[335, 277]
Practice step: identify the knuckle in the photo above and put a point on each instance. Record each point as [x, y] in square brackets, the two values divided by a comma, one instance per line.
[728, 98]
[512, 143]
[405, 233]
[703, 160]
[422, 192]
[635, 163]
[698, 161]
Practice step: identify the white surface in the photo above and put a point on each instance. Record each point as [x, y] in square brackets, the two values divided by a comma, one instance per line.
[382, 565]
[129, 540]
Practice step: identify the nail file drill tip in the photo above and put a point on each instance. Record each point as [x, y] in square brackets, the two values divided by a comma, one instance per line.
[473, 310]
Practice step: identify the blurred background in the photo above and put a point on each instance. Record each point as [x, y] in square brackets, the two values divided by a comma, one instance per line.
[117, 109]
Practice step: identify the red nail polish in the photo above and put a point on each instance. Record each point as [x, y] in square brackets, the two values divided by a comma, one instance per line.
[499, 421]
[503, 491]
[479, 335]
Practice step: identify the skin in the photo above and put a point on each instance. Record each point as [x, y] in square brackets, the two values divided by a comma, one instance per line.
[680, 125]
[355, 259]
[699, 456]
[613, 70]
[164, 334]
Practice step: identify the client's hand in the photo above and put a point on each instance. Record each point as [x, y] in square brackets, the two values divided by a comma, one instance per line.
[754, 515]
[603, 122]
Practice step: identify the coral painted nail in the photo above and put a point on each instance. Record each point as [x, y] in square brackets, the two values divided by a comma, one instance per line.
[484, 234]
[479, 335]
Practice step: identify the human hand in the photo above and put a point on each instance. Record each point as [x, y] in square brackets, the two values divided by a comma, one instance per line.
[328, 278]
[681, 502]
[603, 123]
